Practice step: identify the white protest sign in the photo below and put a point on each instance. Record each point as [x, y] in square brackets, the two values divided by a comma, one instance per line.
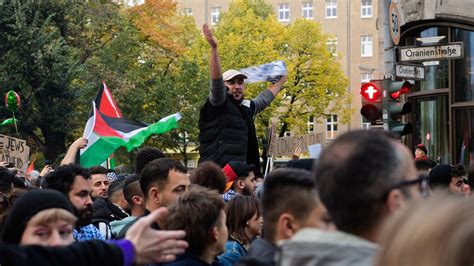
[315, 150]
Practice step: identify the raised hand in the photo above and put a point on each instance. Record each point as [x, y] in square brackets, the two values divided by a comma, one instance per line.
[208, 34]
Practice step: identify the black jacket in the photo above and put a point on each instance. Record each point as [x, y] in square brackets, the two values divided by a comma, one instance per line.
[105, 211]
[80, 253]
[227, 133]
[261, 253]
[189, 259]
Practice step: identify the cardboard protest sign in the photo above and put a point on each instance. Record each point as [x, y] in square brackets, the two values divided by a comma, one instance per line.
[273, 137]
[14, 151]
[285, 146]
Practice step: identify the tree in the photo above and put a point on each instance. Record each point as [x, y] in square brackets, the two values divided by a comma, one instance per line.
[43, 48]
[316, 85]
[150, 76]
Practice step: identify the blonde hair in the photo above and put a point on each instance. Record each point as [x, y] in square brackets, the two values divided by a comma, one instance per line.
[51, 215]
[436, 231]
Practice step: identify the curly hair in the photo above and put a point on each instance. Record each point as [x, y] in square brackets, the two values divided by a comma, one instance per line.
[64, 176]
[210, 175]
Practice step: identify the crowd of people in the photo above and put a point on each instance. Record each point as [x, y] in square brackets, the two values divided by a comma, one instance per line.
[365, 201]
[361, 203]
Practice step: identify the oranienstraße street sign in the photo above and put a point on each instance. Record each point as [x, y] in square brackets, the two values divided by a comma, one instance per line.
[410, 72]
[452, 50]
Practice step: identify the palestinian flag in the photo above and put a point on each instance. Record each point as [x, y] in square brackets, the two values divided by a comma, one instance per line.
[105, 103]
[105, 134]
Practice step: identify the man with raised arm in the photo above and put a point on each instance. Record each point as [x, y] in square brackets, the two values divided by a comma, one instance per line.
[226, 122]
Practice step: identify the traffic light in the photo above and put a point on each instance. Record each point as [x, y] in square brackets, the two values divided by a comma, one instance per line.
[396, 108]
[371, 100]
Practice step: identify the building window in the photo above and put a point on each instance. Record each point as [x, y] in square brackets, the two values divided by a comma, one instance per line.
[215, 13]
[464, 136]
[464, 68]
[431, 126]
[331, 8]
[284, 12]
[132, 3]
[366, 9]
[307, 9]
[310, 123]
[187, 11]
[287, 133]
[331, 45]
[365, 77]
[331, 127]
[366, 46]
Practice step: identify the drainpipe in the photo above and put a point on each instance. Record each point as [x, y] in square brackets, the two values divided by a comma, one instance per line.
[349, 90]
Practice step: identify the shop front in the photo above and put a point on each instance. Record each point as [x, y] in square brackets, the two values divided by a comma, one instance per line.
[443, 113]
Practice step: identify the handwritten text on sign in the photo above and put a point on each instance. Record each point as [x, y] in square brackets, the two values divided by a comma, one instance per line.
[285, 146]
[15, 151]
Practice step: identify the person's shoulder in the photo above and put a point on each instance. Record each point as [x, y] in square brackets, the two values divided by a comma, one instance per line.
[185, 259]
[234, 246]
[99, 202]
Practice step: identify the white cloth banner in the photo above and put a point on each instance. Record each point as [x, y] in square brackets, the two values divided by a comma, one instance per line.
[267, 72]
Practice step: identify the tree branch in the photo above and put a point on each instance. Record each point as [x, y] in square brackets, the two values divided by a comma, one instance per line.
[35, 137]
[88, 53]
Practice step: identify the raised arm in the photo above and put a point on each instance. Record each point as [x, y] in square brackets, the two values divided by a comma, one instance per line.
[217, 92]
[276, 87]
[266, 97]
[70, 156]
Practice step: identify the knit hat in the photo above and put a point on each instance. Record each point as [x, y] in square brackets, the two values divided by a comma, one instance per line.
[28, 206]
[440, 175]
[235, 169]
[422, 147]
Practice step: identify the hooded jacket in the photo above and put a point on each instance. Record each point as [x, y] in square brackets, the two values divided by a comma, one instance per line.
[311, 246]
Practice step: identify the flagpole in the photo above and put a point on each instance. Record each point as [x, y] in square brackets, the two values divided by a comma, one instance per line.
[14, 121]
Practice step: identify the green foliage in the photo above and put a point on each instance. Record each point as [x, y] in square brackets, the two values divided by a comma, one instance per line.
[36, 61]
[56, 53]
[150, 79]
[316, 84]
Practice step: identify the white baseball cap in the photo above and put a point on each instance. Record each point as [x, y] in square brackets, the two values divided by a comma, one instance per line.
[232, 73]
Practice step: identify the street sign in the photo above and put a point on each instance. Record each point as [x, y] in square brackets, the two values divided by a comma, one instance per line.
[410, 72]
[394, 21]
[432, 52]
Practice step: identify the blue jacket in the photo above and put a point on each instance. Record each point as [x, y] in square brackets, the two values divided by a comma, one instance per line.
[233, 252]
